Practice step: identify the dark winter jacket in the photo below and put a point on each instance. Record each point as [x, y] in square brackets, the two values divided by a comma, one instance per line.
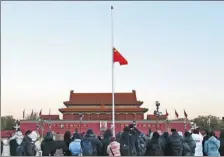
[29, 146]
[135, 133]
[205, 138]
[1, 147]
[186, 150]
[96, 144]
[13, 145]
[166, 148]
[48, 145]
[61, 145]
[142, 140]
[67, 141]
[221, 149]
[128, 144]
[190, 142]
[176, 143]
[155, 146]
[221, 138]
[105, 142]
[118, 136]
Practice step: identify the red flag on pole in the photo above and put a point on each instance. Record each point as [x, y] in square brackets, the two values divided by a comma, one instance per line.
[31, 113]
[177, 115]
[40, 112]
[167, 114]
[23, 113]
[119, 58]
[185, 114]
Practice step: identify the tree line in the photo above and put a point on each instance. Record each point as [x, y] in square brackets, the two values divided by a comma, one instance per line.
[206, 122]
[7, 122]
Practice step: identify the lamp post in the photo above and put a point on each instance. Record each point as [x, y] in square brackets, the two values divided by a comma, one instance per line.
[185, 124]
[157, 113]
[209, 123]
[49, 124]
[41, 126]
[80, 121]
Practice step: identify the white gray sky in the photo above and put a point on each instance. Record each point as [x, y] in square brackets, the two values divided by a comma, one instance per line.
[175, 52]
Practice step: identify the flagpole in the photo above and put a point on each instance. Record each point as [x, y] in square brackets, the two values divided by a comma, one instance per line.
[112, 44]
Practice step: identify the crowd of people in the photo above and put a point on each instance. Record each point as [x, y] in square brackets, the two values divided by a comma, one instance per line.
[129, 142]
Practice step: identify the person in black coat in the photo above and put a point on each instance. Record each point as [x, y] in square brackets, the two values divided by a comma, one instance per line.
[118, 136]
[205, 138]
[1, 146]
[28, 145]
[96, 144]
[166, 148]
[48, 145]
[221, 138]
[175, 141]
[155, 146]
[128, 143]
[105, 142]
[67, 140]
[13, 145]
[190, 142]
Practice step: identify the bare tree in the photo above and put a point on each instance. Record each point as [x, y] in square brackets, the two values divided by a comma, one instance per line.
[32, 116]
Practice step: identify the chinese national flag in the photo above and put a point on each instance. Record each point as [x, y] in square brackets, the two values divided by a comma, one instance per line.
[119, 58]
[167, 114]
[185, 114]
[177, 115]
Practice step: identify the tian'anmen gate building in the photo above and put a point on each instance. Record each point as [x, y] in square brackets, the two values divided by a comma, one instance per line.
[94, 110]
[98, 106]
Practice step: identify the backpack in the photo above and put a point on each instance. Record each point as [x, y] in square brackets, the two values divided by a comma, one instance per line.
[142, 139]
[75, 148]
[87, 148]
[59, 152]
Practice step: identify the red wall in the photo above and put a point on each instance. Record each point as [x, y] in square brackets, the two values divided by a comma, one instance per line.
[72, 126]
[28, 126]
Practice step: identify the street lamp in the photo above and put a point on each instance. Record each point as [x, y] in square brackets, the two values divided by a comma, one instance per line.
[41, 126]
[49, 124]
[209, 123]
[80, 118]
[157, 113]
[185, 124]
